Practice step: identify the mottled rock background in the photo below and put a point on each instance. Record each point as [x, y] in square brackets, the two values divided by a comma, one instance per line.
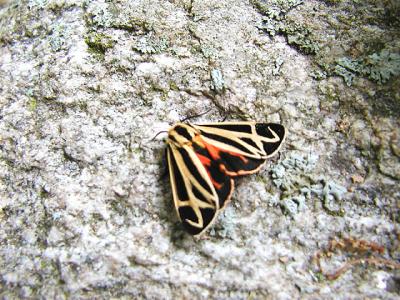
[86, 85]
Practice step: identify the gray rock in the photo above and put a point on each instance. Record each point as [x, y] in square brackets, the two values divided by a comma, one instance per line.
[85, 86]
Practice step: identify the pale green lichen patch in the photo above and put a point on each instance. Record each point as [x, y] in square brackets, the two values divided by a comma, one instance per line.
[295, 176]
[291, 172]
[301, 38]
[217, 81]
[98, 42]
[276, 22]
[118, 16]
[58, 38]
[379, 67]
[276, 9]
[32, 104]
[208, 51]
[150, 44]
[37, 3]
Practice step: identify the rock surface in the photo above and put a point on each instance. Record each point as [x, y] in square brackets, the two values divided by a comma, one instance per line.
[85, 86]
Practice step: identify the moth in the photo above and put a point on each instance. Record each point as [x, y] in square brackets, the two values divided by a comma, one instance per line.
[203, 161]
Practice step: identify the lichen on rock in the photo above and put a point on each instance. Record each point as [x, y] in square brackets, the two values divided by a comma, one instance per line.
[86, 86]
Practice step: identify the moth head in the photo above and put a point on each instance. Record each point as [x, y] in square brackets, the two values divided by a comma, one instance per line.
[181, 134]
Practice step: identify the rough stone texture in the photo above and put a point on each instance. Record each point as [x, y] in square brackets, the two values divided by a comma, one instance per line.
[86, 85]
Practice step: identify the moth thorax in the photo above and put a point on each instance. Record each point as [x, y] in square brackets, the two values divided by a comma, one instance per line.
[182, 134]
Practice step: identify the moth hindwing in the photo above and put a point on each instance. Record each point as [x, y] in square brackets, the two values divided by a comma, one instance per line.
[203, 159]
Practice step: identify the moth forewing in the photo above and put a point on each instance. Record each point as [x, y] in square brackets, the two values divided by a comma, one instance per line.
[195, 213]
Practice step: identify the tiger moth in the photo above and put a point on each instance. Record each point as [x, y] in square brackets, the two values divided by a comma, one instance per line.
[204, 159]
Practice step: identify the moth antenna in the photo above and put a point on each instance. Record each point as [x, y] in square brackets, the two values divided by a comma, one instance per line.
[196, 116]
[158, 133]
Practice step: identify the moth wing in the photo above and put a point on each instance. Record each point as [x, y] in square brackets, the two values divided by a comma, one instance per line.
[196, 199]
[241, 148]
